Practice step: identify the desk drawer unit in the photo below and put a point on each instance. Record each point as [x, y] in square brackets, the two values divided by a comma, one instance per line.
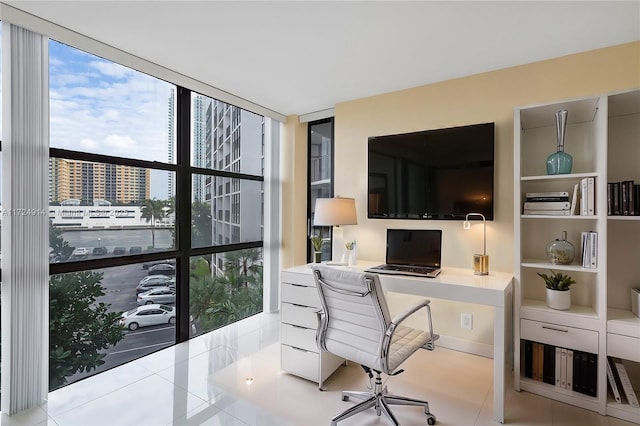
[299, 352]
[559, 335]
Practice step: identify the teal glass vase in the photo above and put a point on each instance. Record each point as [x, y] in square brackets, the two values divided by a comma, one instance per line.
[560, 162]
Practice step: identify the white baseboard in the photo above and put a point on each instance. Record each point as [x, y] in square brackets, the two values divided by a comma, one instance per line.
[462, 345]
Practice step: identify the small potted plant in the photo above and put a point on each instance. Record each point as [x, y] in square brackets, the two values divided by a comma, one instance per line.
[317, 242]
[558, 290]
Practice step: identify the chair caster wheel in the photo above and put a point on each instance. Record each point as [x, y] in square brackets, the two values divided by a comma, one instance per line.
[431, 419]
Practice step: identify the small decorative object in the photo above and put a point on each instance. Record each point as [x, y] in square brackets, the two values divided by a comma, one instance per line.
[560, 162]
[350, 253]
[560, 251]
[317, 242]
[558, 290]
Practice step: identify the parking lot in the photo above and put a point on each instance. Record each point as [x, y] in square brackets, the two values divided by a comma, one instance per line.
[120, 292]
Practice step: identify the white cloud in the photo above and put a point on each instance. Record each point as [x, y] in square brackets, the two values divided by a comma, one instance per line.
[111, 69]
[120, 143]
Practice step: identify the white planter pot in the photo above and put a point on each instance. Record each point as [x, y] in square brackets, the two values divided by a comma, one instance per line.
[560, 300]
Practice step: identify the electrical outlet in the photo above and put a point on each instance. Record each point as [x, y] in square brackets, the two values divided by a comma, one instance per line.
[466, 321]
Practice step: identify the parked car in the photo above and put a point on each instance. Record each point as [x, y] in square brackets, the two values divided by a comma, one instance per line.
[119, 250]
[147, 265]
[79, 253]
[162, 269]
[157, 295]
[153, 281]
[99, 251]
[135, 250]
[147, 315]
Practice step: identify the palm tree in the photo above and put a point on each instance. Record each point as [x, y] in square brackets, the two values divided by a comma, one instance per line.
[245, 263]
[153, 210]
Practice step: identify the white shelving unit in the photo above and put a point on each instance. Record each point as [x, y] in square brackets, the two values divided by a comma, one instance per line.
[603, 138]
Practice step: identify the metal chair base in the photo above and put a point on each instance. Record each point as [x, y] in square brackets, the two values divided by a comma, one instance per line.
[380, 399]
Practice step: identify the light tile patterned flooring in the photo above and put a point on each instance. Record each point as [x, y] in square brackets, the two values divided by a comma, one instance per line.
[204, 382]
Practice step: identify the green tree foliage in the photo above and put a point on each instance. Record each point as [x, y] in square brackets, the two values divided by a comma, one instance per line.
[201, 224]
[60, 249]
[153, 210]
[217, 300]
[79, 326]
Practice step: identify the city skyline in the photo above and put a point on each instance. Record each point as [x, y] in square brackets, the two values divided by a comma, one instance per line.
[102, 107]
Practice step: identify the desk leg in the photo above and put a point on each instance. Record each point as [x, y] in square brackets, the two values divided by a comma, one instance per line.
[499, 376]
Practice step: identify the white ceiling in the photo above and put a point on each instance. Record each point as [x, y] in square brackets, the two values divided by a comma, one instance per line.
[302, 56]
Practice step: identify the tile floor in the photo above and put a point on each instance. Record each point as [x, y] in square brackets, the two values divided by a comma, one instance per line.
[204, 382]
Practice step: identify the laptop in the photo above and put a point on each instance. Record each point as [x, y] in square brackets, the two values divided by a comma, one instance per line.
[414, 252]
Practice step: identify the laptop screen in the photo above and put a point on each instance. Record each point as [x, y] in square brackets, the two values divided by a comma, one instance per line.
[420, 247]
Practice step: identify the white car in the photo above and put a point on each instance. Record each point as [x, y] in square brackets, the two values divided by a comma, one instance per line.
[157, 295]
[147, 315]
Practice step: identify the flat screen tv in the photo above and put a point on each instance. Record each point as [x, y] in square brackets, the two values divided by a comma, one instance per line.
[433, 174]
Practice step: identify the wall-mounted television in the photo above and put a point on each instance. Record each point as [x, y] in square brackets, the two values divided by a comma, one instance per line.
[433, 174]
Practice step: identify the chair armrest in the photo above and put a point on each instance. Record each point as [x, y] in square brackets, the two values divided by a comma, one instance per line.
[409, 311]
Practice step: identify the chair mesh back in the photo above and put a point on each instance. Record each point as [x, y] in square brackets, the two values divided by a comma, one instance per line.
[353, 326]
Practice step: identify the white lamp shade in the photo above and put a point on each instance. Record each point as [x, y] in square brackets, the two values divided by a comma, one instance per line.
[335, 212]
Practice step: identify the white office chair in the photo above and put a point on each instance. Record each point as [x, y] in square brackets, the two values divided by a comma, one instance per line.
[355, 324]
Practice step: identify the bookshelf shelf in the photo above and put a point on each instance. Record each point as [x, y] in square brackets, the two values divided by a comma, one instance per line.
[543, 264]
[566, 177]
[552, 217]
[602, 139]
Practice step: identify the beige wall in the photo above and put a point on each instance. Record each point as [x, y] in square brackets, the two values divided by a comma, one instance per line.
[487, 97]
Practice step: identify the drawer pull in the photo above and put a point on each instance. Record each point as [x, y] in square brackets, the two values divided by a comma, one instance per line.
[300, 306]
[299, 326]
[555, 329]
[297, 285]
[298, 349]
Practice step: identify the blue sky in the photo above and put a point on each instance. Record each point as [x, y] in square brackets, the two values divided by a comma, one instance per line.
[102, 107]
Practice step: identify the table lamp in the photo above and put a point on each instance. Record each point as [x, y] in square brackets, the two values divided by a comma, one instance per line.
[335, 212]
[480, 261]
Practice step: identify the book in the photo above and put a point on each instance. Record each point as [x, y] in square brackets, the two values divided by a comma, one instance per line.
[636, 197]
[534, 360]
[528, 359]
[613, 381]
[569, 365]
[586, 252]
[563, 368]
[591, 196]
[540, 362]
[546, 199]
[583, 197]
[593, 248]
[592, 376]
[574, 199]
[577, 371]
[624, 199]
[549, 364]
[631, 198]
[558, 366]
[547, 194]
[548, 212]
[625, 383]
[548, 205]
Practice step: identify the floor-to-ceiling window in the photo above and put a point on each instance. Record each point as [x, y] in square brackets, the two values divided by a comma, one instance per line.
[320, 177]
[227, 163]
[155, 214]
[111, 214]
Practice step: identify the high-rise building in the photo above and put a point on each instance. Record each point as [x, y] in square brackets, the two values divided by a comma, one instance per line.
[201, 105]
[87, 181]
[230, 126]
[171, 140]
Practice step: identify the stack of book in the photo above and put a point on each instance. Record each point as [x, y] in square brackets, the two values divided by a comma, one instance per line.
[561, 367]
[547, 203]
[620, 383]
[623, 198]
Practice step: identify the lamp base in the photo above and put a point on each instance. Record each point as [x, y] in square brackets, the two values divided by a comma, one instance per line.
[480, 264]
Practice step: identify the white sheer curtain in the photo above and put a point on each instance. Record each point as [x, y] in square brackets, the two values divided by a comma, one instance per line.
[25, 261]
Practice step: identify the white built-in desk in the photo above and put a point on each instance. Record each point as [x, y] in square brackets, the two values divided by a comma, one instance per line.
[460, 285]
